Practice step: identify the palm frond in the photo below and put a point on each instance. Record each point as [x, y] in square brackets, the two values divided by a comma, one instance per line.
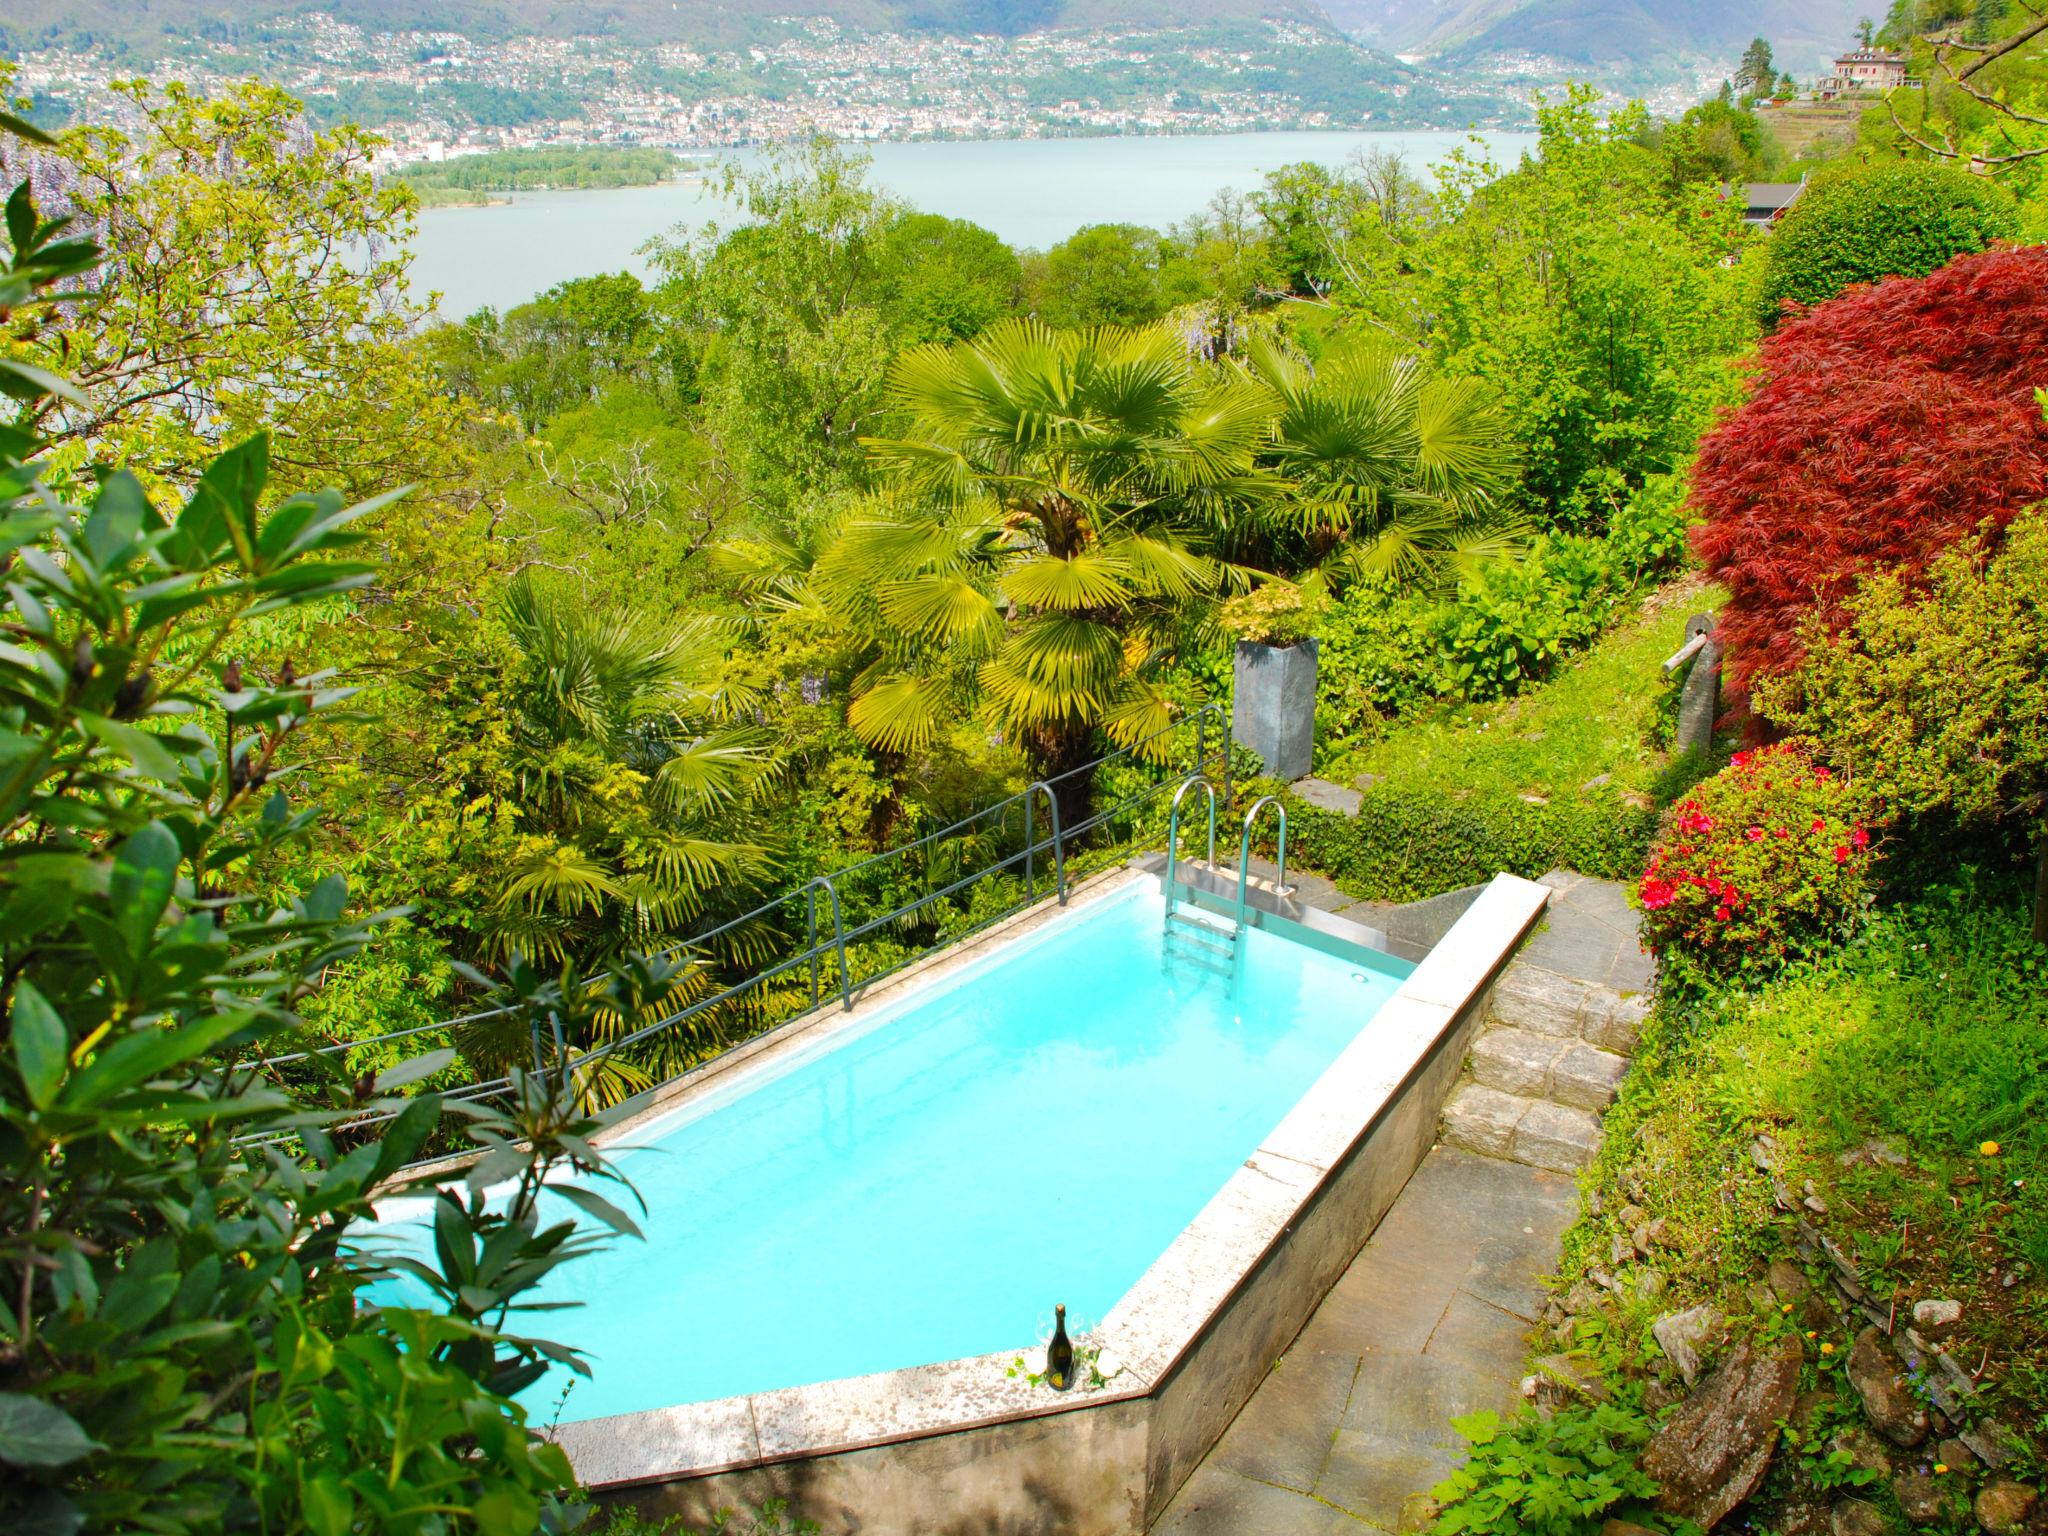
[1082, 581]
[899, 715]
[1161, 566]
[1141, 718]
[562, 878]
[947, 609]
[714, 771]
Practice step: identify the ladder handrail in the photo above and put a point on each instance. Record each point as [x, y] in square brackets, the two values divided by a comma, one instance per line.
[1244, 853]
[1173, 827]
[1059, 856]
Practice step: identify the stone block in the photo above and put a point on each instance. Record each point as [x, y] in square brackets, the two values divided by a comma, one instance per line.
[1539, 1001]
[1587, 1077]
[1273, 705]
[1484, 1120]
[1326, 796]
[1515, 1061]
[1558, 1137]
[1614, 1023]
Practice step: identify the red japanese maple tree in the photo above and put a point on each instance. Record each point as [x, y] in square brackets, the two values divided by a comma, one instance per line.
[1885, 425]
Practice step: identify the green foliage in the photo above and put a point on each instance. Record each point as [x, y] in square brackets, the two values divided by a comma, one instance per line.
[1715, 143]
[1918, 1040]
[1377, 658]
[946, 279]
[796, 348]
[1567, 773]
[1273, 613]
[1562, 1475]
[1598, 307]
[221, 310]
[771, 1519]
[1109, 274]
[1506, 626]
[1765, 863]
[1511, 621]
[1408, 843]
[190, 1341]
[1390, 468]
[466, 178]
[1936, 700]
[556, 353]
[1896, 220]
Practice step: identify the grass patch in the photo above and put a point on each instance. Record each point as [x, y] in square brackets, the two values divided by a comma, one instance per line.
[1570, 774]
[1924, 1039]
[1607, 714]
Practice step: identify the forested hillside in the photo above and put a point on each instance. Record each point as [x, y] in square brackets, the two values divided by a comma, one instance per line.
[422, 738]
[1636, 32]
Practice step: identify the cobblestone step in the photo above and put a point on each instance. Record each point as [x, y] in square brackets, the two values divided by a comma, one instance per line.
[1541, 1134]
[1542, 1002]
[1558, 1067]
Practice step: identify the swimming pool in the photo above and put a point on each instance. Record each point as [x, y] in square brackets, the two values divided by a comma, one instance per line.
[925, 1183]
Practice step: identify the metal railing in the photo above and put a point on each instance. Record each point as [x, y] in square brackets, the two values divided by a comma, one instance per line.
[1244, 854]
[820, 948]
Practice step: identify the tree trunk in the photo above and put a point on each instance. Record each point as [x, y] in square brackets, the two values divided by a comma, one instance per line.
[1056, 750]
[2041, 888]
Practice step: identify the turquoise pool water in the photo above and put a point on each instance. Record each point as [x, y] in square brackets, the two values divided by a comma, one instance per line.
[1034, 1128]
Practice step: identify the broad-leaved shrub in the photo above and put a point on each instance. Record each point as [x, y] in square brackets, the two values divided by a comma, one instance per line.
[1564, 1475]
[1903, 219]
[1768, 861]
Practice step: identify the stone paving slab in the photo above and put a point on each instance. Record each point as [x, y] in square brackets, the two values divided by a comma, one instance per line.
[1430, 1321]
[1591, 933]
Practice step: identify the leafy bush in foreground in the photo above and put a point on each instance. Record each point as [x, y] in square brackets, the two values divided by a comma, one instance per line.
[1939, 703]
[1768, 861]
[1562, 1475]
[188, 1340]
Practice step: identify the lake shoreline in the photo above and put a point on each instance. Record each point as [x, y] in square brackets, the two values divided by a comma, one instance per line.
[1032, 192]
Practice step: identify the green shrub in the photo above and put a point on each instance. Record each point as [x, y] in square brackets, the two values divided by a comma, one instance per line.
[1274, 612]
[1408, 843]
[1376, 658]
[1512, 620]
[1384, 653]
[1766, 862]
[1921, 1038]
[1565, 1475]
[1898, 220]
[1937, 698]
[192, 1340]
[771, 1519]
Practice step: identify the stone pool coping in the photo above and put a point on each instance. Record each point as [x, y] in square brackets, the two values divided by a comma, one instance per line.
[1178, 1302]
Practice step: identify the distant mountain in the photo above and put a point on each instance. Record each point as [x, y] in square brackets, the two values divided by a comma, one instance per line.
[151, 26]
[1639, 33]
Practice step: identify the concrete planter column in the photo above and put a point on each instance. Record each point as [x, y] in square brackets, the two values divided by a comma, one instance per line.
[1273, 710]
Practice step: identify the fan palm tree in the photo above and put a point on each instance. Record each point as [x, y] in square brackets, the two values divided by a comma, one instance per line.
[630, 765]
[1393, 470]
[1049, 516]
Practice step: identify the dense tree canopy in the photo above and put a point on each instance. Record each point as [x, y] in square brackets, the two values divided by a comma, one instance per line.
[1886, 425]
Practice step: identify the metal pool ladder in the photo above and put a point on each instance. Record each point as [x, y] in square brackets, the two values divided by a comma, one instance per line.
[1208, 940]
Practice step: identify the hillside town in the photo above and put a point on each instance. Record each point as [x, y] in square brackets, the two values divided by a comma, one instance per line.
[435, 93]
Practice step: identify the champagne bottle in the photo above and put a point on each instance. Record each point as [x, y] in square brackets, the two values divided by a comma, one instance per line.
[1059, 1354]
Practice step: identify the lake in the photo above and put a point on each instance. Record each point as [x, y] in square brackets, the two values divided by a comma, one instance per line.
[1032, 192]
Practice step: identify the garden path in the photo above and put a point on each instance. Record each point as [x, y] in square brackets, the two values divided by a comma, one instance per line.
[1352, 1427]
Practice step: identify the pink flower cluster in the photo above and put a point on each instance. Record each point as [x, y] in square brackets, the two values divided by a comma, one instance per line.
[1733, 873]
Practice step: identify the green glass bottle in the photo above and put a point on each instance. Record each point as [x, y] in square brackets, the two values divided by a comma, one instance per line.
[1059, 1354]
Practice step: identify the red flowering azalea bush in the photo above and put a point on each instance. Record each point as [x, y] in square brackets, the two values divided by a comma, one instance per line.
[1886, 426]
[1767, 861]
